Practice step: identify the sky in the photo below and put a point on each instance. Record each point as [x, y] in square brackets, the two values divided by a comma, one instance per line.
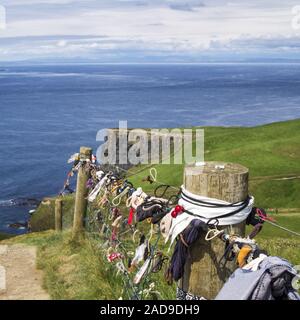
[149, 30]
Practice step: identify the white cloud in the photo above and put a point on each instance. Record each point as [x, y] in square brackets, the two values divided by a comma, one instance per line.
[182, 26]
[62, 43]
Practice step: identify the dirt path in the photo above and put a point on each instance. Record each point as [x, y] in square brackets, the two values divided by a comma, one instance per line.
[23, 280]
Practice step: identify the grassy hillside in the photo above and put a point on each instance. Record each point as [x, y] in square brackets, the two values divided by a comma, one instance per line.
[81, 271]
[271, 152]
[43, 218]
[5, 236]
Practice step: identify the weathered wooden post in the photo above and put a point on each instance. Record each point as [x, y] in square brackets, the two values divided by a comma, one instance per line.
[81, 194]
[58, 214]
[203, 276]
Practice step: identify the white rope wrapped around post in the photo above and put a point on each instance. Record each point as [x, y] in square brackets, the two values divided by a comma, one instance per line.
[208, 209]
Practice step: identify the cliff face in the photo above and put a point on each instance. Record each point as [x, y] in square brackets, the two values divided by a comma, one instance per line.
[43, 218]
[4, 236]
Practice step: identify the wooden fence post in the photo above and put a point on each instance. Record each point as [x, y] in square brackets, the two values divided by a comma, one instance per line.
[81, 194]
[203, 276]
[58, 214]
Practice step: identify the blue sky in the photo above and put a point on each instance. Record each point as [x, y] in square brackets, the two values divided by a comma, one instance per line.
[148, 30]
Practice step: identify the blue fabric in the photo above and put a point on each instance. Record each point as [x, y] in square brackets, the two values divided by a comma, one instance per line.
[270, 282]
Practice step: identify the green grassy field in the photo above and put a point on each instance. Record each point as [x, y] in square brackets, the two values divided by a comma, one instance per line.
[81, 271]
[271, 152]
[43, 218]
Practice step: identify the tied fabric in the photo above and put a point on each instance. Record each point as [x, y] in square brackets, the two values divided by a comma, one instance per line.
[210, 208]
[188, 237]
[131, 214]
[226, 213]
[141, 252]
[114, 235]
[114, 256]
[142, 272]
[165, 225]
[137, 197]
[272, 280]
[94, 193]
[153, 208]
[182, 295]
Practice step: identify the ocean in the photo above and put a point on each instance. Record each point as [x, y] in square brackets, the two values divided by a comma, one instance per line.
[47, 112]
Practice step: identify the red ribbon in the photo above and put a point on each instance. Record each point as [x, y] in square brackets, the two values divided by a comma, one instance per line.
[264, 216]
[131, 214]
[114, 236]
[114, 256]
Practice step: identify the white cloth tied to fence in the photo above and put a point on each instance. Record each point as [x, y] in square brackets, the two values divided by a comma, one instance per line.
[205, 212]
[93, 195]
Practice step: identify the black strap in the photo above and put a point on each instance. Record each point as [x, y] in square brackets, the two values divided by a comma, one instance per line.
[229, 214]
[211, 204]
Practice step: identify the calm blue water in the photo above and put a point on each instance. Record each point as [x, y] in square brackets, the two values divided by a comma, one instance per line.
[48, 112]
